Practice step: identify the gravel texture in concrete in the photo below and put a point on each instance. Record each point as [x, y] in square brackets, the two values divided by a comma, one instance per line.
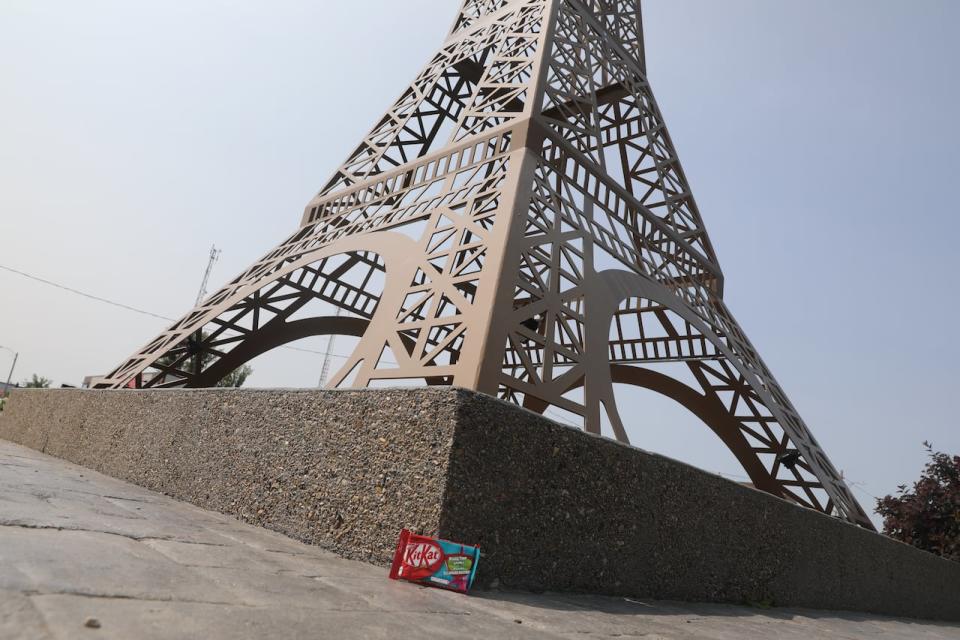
[557, 508]
[344, 470]
[552, 508]
[83, 555]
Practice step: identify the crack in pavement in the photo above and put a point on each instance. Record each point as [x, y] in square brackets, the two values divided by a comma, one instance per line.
[31, 593]
[129, 536]
[119, 596]
[127, 499]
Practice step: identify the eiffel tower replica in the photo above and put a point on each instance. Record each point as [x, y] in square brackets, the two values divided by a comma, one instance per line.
[517, 223]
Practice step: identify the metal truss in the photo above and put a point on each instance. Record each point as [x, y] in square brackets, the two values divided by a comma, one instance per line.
[518, 223]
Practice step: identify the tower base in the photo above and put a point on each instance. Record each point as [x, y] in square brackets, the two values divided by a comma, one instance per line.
[553, 508]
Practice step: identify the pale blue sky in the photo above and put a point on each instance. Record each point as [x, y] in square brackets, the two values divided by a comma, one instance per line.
[820, 138]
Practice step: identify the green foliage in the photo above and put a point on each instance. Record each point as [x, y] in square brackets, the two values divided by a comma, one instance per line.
[928, 516]
[237, 377]
[37, 382]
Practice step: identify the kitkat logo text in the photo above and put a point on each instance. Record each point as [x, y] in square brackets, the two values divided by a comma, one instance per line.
[422, 558]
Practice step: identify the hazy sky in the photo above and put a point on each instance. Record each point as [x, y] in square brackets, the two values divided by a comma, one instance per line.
[820, 138]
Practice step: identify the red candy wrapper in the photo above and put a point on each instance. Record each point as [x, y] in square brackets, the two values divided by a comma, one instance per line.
[435, 562]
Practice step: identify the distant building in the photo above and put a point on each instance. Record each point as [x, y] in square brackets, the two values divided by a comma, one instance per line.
[90, 381]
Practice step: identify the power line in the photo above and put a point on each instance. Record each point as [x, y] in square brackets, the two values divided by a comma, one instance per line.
[859, 486]
[733, 476]
[134, 309]
[85, 295]
[305, 350]
[556, 416]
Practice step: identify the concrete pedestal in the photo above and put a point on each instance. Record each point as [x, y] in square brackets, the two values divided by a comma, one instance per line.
[552, 508]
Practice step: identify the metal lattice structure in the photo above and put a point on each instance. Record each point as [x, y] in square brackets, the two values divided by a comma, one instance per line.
[518, 223]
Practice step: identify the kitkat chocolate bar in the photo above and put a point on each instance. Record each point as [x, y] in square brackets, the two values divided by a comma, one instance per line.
[438, 563]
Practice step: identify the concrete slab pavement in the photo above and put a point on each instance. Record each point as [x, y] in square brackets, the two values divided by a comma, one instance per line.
[76, 545]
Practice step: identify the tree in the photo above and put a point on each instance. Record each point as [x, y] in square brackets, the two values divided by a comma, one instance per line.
[928, 517]
[237, 377]
[37, 382]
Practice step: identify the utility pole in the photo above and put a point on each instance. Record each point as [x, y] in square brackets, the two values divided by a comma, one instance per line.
[6, 388]
[214, 254]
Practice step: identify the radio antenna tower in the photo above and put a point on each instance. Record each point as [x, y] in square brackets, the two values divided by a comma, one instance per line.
[214, 255]
[325, 370]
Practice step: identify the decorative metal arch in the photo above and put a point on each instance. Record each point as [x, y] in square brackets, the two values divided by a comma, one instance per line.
[523, 213]
[709, 410]
[274, 335]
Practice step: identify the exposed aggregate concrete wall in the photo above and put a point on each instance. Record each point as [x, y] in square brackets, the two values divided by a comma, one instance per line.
[345, 470]
[553, 508]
